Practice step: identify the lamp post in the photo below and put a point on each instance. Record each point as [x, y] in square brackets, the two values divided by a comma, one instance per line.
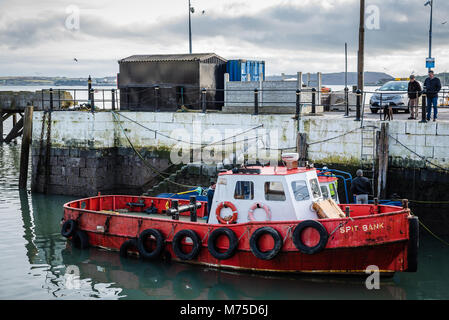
[191, 10]
[430, 3]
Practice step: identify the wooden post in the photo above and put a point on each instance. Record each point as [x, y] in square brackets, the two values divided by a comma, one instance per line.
[382, 147]
[301, 146]
[25, 152]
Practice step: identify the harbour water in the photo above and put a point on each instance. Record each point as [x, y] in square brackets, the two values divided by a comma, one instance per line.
[36, 262]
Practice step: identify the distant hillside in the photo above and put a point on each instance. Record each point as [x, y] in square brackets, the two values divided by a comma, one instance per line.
[338, 78]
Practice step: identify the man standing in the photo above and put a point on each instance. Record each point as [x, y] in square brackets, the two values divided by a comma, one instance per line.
[414, 92]
[361, 188]
[433, 86]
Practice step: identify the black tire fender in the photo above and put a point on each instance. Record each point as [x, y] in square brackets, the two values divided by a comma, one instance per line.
[233, 243]
[128, 244]
[68, 228]
[324, 236]
[141, 244]
[177, 244]
[265, 255]
[80, 239]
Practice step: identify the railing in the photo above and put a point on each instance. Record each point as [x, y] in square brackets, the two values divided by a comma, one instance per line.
[157, 97]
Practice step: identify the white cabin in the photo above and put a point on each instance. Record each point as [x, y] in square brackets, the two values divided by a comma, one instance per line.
[288, 193]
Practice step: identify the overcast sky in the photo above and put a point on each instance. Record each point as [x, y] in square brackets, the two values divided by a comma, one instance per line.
[40, 38]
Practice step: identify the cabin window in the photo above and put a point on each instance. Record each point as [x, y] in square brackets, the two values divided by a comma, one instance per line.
[274, 191]
[333, 190]
[325, 192]
[300, 190]
[315, 186]
[244, 190]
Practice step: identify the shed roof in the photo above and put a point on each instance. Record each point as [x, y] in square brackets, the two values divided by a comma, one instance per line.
[203, 57]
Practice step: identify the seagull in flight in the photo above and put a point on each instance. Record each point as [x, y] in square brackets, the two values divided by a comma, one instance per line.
[75, 59]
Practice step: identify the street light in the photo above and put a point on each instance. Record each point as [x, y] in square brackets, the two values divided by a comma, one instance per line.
[430, 3]
[191, 11]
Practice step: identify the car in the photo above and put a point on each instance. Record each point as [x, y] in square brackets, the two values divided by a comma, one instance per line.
[392, 93]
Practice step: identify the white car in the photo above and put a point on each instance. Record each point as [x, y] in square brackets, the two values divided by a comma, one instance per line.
[392, 93]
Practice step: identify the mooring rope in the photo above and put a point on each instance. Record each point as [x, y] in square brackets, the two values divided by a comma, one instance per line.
[159, 173]
[420, 156]
[203, 145]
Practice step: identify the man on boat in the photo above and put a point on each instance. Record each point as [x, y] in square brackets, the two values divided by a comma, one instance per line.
[361, 188]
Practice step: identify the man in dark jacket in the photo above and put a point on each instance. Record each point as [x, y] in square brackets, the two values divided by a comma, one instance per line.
[361, 188]
[414, 92]
[433, 86]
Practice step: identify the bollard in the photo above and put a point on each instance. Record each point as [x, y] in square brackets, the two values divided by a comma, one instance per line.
[358, 107]
[156, 94]
[313, 100]
[298, 104]
[193, 215]
[203, 100]
[256, 101]
[92, 100]
[113, 99]
[175, 206]
[51, 100]
[347, 211]
[424, 104]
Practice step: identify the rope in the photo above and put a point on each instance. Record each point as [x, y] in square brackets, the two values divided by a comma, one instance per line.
[289, 232]
[340, 225]
[433, 234]
[191, 142]
[206, 235]
[247, 230]
[333, 138]
[147, 164]
[420, 156]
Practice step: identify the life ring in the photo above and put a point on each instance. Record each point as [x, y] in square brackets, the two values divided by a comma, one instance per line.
[233, 243]
[270, 254]
[80, 239]
[230, 219]
[126, 246]
[68, 228]
[145, 252]
[299, 244]
[177, 244]
[259, 205]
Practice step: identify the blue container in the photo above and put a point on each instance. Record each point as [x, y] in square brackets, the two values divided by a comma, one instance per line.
[245, 70]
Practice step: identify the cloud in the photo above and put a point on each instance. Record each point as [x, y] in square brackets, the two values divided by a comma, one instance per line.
[289, 30]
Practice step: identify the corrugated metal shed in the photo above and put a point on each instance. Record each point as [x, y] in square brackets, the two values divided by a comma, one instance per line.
[167, 82]
[202, 57]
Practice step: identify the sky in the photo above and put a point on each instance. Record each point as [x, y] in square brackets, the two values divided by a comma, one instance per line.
[42, 38]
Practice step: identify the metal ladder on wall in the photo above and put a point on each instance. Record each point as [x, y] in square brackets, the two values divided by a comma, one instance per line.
[368, 153]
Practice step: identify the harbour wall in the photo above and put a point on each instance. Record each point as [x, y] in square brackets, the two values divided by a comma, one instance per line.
[96, 145]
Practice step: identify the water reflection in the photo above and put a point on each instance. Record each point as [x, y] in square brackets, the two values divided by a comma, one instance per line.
[38, 263]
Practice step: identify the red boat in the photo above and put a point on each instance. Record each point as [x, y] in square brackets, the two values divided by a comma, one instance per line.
[269, 219]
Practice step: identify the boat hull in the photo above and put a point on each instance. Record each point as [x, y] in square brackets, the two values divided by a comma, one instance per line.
[377, 236]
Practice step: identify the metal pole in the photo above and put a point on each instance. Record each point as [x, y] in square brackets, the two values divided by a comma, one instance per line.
[361, 53]
[193, 214]
[51, 99]
[156, 93]
[113, 99]
[430, 31]
[424, 103]
[256, 101]
[346, 82]
[313, 100]
[92, 107]
[298, 107]
[359, 95]
[190, 29]
[203, 100]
